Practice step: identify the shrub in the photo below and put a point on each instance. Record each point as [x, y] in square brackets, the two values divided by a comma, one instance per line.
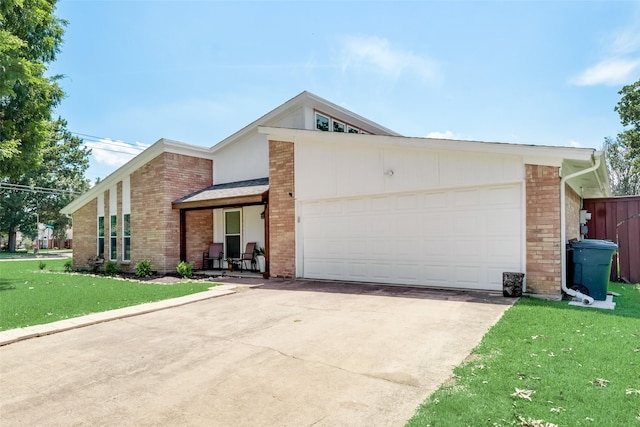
[42, 265]
[185, 269]
[110, 268]
[143, 268]
[68, 266]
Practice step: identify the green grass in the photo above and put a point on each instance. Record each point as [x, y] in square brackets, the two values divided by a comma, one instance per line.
[30, 296]
[579, 367]
[29, 254]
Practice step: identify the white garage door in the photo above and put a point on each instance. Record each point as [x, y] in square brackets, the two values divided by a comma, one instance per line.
[463, 239]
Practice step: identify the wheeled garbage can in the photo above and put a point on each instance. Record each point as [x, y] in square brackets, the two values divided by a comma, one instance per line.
[592, 266]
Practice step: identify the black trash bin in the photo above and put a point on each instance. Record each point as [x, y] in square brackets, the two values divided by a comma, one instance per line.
[592, 266]
[512, 284]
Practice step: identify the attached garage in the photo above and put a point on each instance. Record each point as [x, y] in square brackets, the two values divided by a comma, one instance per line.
[423, 213]
[458, 238]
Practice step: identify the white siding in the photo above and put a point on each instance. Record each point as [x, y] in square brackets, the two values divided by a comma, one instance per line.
[326, 169]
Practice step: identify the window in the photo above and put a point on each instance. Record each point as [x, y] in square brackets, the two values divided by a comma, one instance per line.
[329, 124]
[100, 237]
[113, 243]
[322, 122]
[232, 235]
[126, 237]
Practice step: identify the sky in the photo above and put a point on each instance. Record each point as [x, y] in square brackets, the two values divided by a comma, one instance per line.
[524, 72]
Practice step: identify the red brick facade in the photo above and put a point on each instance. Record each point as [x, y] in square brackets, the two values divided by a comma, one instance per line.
[155, 225]
[85, 230]
[573, 203]
[543, 230]
[199, 234]
[281, 209]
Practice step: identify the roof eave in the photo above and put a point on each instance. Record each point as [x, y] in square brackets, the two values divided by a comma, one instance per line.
[163, 145]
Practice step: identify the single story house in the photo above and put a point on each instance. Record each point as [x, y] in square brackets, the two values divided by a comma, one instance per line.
[332, 195]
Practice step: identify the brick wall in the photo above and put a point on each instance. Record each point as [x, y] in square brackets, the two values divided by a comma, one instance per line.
[199, 235]
[543, 230]
[573, 202]
[85, 230]
[155, 225]
[281, 209]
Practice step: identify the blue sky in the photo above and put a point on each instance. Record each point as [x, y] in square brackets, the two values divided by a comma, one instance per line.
[538, 72]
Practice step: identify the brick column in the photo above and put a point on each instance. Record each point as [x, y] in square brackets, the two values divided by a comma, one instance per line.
[85, 226]
[281, 209]
[544, 248]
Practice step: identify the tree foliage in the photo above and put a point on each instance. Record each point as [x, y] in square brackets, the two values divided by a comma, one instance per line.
[624, 170]
[623, 153]
[62, 171]
[30, 38]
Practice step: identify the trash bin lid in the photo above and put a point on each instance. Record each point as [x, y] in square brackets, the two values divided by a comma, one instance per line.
[595, 244]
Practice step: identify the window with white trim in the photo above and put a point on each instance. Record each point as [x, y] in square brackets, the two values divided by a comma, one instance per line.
[327, 123]
[113, 241]
[126, 237]
[100, 237]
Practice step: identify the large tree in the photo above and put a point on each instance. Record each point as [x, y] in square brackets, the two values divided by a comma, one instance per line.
[30, 38]
[623, 153]
[41, 192]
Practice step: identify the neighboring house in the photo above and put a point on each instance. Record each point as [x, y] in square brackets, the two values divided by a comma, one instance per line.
[332, 195]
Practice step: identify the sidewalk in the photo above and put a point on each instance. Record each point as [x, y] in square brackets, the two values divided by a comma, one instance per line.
[19, 334]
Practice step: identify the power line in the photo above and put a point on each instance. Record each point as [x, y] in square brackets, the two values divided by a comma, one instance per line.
[36, 189]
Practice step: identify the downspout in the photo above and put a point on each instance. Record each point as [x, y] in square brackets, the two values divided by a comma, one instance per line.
[586, 299]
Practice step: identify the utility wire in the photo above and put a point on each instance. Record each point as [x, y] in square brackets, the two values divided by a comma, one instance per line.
[36, 189]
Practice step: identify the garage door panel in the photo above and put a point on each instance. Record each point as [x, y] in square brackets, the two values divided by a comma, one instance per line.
[470, 275]
[463, 238]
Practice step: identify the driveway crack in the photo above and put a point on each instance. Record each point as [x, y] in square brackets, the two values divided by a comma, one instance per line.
[391, 377]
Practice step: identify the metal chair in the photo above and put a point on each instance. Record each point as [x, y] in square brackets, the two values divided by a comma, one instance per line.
[249, 256]
[215, 253]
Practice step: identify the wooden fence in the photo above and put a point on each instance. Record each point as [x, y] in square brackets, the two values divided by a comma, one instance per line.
[618, 219]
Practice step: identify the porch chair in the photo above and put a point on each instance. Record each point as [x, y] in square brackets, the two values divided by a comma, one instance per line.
[215, 253]
[249, 256]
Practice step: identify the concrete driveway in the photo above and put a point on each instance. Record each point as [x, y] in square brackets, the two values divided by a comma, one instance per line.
[282, 354]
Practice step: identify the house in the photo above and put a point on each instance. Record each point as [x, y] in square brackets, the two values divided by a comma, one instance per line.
[332, 195]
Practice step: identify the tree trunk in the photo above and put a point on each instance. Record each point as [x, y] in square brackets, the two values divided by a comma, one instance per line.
[12, 239]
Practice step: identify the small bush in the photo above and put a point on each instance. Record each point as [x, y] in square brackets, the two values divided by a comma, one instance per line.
[143, 268]
[110, 268]
[42, 265]
[185, 269]
[68, 266]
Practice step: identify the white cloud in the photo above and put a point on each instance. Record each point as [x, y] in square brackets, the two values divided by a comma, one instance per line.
[114, 153]
[626, 42]
[610, 72]
[574, 144]
[619, 63]
[444, 135]
[377, 53]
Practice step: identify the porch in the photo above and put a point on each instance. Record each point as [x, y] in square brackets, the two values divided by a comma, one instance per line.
[232, 215]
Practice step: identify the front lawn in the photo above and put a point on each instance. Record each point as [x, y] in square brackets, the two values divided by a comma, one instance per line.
[546, 363]
[30, 296]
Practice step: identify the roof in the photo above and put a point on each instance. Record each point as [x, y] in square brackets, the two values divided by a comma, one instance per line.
[231, 193]
[161, 146]
[316, 102]
[166, 145]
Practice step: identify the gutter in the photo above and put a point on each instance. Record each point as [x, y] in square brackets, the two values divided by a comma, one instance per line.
[586, 299]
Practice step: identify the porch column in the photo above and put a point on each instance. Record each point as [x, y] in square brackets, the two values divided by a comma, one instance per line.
[183, 235]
